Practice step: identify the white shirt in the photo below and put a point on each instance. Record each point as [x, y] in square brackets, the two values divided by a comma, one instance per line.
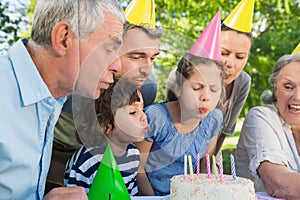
[265, 136]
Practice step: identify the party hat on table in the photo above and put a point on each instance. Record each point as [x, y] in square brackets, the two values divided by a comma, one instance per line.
[240, 18]
[208, 44]
[141, 13]
[296, 50]
[108, 183]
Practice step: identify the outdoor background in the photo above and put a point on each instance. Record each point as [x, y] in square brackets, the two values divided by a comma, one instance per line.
[276, 31]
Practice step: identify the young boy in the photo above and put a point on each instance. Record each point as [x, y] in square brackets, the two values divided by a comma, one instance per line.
[121, 118]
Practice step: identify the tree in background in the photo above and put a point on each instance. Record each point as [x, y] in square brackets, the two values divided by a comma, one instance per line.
[14, 22]
[275, 26]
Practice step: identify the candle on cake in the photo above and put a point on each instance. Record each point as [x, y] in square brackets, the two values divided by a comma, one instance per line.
[185, 164]
[198, 164]
[232, 167]
[190, 165]
[208, 166]
[220, 163]
[214, 165]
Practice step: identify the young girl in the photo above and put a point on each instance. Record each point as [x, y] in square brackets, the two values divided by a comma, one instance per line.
[185, 125]
[120, 114]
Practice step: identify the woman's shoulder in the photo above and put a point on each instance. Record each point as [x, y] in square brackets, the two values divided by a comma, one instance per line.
[244, 76]
[243, 81]
[268, 109]
[266, 112]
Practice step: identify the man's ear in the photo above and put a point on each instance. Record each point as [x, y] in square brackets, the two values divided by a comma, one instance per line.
[60, 37]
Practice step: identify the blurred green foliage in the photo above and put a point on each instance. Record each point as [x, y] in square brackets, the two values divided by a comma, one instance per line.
[275, 28]
[8, 26]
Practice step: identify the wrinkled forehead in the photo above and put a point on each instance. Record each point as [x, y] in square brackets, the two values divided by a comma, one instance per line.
[291, 71]
[113, 22]
[112, 26]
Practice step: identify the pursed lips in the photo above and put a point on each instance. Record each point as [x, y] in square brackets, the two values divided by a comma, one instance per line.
[203, 110]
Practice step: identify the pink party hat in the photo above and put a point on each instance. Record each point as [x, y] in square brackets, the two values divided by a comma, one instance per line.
[208, 44]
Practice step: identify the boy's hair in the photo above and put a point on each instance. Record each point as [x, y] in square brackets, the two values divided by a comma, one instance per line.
[120, 94]
[185, 69]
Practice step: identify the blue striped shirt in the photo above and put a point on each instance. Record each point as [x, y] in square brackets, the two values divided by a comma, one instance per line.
[81, 169]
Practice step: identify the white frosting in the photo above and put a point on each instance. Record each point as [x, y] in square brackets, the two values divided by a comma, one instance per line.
[201, 187]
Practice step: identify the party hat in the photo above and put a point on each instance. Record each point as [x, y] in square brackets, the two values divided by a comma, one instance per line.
[141, 13]
[108, 183]
[240, 18]
[296, 50]
[208, 44]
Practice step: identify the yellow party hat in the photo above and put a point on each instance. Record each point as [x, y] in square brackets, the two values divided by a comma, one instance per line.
[296, 50]
[240, 18]
[141, 13]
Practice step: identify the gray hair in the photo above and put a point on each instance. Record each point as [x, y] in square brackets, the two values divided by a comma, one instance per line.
[85, 17]
[268, 96]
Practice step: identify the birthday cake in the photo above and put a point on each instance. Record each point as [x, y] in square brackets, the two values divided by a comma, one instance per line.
[201, 187]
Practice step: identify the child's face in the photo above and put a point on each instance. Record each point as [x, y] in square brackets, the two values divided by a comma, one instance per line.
[130, 123]
[201, 92]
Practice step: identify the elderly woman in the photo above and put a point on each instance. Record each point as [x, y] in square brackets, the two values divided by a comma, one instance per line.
[267, 148]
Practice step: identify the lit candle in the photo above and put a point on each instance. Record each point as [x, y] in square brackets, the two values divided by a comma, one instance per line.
[220, 163]
[214, 164]
[190, 165]
[185, 165]
[232, 167]
[208, 166]
[198, 164]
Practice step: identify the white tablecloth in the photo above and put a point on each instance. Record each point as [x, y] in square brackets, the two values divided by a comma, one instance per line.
[259, 195]
[265, 196]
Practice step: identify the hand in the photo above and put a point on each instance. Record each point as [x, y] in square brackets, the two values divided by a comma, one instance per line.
[61, 193]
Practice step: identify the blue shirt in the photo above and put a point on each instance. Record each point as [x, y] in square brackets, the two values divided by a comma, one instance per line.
[166, 158]
[28, 114]
[149, 90]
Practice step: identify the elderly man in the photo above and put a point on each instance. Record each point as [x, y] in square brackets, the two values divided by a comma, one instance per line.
[138, 52]
[68, 39]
